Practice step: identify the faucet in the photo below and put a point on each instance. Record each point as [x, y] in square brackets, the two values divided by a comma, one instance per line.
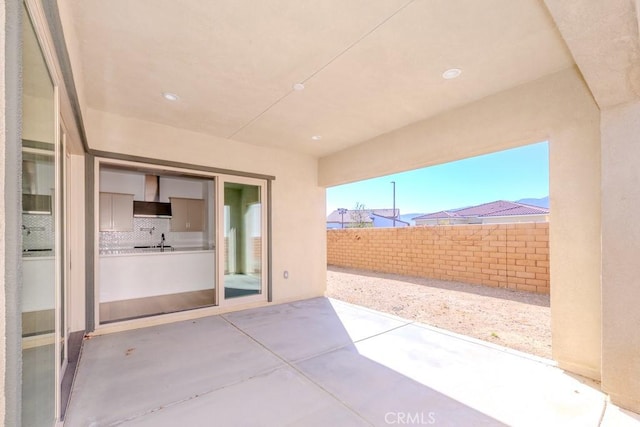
[162, 242]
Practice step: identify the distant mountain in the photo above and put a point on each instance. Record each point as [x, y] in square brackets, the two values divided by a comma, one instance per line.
[542, 202]
[409, 217]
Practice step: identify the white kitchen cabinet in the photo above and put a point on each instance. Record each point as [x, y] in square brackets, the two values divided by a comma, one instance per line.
[124, 182]
[45, 174]
[187, 214]
[38, 287]
[186, 188]
[116, 212]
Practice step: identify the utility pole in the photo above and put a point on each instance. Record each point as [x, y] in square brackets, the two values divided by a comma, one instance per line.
[342, 211]
[394, 203]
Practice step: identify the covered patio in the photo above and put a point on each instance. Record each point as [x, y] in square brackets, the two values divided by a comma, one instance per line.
[266, 105]
[321, 362]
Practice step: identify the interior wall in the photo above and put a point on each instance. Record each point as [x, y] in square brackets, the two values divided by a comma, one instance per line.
[620, 249]
[558, 108]
[298, 203]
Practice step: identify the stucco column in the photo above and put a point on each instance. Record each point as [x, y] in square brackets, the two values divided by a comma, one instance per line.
[3, 139]
[574, 240]
[621, 254]
[10, 93]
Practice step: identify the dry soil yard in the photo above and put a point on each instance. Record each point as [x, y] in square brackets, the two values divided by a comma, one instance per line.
[515, 319]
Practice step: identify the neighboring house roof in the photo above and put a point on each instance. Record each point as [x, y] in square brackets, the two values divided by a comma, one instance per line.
[491, 209]
[354, 215]
[520, 210]
[389, 218]
[438, 215]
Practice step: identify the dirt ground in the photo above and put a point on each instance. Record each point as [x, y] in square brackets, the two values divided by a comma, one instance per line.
[514, 319]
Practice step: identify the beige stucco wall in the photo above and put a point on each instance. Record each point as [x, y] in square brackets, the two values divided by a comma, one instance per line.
[429, 222]
[575, 235]
[558, 108]
[488, 220]
[515, 219]
[620, 268]
[3, 336]
[298, 203]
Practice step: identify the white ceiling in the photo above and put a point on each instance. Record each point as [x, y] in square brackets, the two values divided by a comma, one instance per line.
[369, 66]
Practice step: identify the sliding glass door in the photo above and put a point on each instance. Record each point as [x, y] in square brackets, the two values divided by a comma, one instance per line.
[244, 239]
[156, 240]
[43, 353]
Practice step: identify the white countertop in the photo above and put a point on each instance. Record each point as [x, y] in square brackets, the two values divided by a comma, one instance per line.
[37, 254]
[154, 251]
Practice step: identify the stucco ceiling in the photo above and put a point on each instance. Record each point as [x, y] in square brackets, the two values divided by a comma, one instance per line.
[368, 66]
[604, 40]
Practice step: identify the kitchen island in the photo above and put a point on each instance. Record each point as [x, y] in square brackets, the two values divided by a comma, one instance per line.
[139, 273]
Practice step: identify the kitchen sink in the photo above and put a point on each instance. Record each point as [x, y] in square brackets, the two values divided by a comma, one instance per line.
[155, 248]
[36, 253]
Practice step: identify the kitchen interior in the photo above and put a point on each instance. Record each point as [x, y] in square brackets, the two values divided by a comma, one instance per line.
[39, 276]
[38, 238]
[157, 242]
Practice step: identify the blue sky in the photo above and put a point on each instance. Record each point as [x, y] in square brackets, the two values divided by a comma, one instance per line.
[508, 175]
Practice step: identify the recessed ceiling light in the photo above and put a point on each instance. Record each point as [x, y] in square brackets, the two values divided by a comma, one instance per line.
[298, 87]
[170, 96]
[451, 73]
[316, 137]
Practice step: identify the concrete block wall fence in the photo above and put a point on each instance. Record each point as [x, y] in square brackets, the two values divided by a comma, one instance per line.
[514, 256]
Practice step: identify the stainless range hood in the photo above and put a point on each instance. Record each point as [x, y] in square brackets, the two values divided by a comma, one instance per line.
[151, 207]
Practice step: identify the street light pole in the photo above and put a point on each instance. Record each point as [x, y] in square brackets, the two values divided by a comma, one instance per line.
[342, 211]
[394, 203]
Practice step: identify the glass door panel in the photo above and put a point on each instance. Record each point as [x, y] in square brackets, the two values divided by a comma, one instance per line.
[63, 259]
[243, 240]
[40, 260]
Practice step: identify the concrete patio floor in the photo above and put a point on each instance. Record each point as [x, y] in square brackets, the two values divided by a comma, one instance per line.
[322, 362]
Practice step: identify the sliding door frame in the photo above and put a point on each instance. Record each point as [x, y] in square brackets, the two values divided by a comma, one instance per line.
[265, 272]
[195, 171]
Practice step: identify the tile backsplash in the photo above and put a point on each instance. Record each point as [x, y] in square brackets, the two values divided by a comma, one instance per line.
[148, 231]
[37, 232]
